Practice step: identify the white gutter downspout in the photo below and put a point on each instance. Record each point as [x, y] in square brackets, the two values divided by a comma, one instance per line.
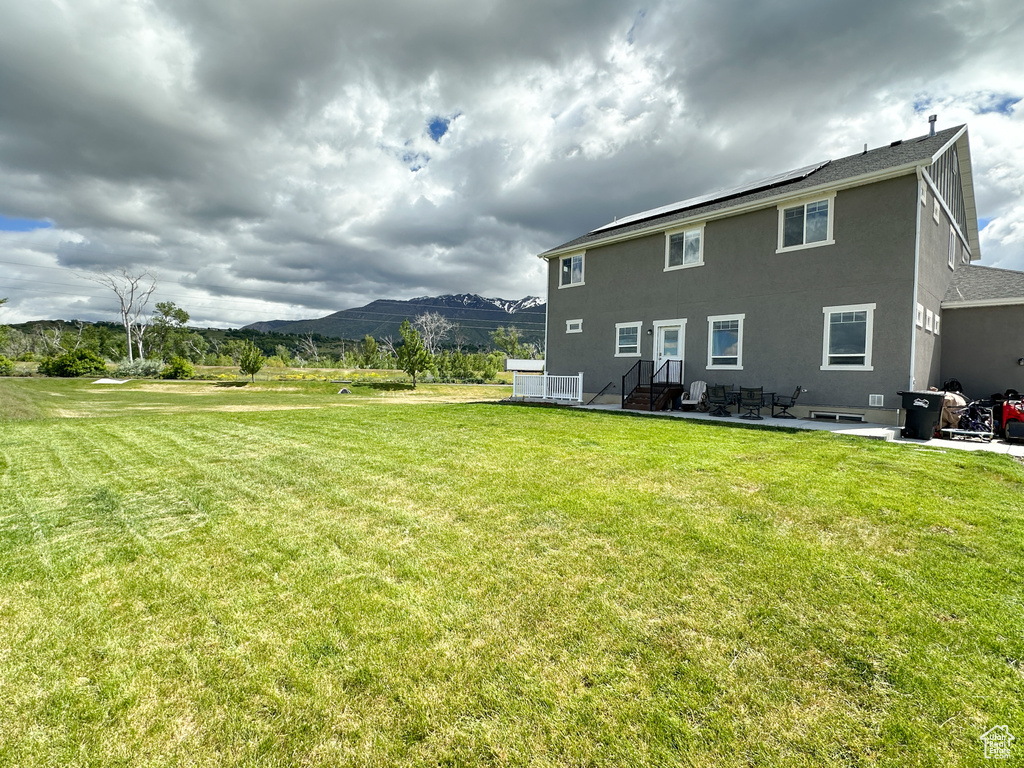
[547, 309]
[917, 277]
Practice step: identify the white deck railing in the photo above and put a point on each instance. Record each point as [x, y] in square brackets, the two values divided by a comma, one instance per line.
[545, 387]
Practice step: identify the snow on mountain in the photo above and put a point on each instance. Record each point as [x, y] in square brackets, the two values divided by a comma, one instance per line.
[475, 301]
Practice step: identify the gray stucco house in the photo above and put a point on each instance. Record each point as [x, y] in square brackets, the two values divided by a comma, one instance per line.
[835, 277]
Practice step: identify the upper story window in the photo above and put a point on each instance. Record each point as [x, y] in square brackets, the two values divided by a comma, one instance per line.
[627, 339]
[725, 342]
[847, 338]
[806, 225]
[952, 249]
[684, 248]
[572, 271]
[574, 326]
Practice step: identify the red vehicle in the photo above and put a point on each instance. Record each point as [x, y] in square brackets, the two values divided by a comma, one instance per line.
[1013, 420]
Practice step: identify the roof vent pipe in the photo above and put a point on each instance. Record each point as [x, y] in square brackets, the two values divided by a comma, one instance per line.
[931, 124]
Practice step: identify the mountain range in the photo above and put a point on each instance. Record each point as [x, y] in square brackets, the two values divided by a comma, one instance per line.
[475, 316]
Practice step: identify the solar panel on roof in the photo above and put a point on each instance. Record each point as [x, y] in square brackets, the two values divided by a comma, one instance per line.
[754, 186]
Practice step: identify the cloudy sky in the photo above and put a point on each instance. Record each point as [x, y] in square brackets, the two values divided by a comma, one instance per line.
[269, 159]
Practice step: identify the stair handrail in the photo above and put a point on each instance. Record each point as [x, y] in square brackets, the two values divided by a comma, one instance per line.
[636, 377]
[605, 389]
[628, 384]
[664, 382]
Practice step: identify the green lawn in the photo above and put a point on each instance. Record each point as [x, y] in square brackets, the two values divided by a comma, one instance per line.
[279, 575]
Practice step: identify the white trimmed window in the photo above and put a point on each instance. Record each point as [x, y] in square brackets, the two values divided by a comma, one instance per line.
[920, 315]
[952, 248]
[574, 326]
[924, 192]
[806, 225]
[929, 320]
[684, 248]
[725, 342]
[935, 210]
[627, 339]
[571, 271]
[847, 338]
[938, 320]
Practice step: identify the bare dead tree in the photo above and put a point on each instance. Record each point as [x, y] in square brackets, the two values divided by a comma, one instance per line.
[78, 339]
[308, 347]
[140, 324]
[460, 337]
[133, 291]
[51, 339]
[196, 349]
[433, 328]
[389, 346]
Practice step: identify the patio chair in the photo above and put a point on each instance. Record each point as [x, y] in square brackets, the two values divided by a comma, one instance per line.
[784, 403]
[751, 400]
[696, 398]
[719, 398]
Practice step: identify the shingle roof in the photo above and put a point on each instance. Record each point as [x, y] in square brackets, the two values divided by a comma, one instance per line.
[907, 152]
[984, 284]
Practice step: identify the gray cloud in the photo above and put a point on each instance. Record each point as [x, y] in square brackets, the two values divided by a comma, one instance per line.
[275, 160]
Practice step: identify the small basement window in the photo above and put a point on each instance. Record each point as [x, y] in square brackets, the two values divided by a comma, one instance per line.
[826, 416]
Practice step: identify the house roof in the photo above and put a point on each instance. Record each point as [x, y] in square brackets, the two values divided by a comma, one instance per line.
[975, 286]
[899, 157]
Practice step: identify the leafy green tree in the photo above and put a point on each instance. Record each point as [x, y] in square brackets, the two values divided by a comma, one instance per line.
[233, 349]
[443, 366]
[6, 366]
[491, 364]
[413, 357]
[4, 331]
[251, 360]
[371, 352]
[106, 342]
[461, 369]
[507, 340]
[170, 337]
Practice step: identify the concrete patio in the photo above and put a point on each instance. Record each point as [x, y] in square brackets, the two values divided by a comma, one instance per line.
[854, 429]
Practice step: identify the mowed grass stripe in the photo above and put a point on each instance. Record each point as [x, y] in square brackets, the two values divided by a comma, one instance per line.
[500, 585]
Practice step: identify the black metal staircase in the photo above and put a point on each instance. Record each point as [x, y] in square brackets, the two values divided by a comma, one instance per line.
[647, 389]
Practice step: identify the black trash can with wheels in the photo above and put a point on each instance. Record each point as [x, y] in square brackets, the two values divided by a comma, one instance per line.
[923, 412]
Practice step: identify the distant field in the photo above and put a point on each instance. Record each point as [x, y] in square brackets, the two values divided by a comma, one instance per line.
[231, 372]
[277, 575]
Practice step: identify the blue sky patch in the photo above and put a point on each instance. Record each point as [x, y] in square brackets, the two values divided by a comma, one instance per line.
[438, 127]
[631, 35]
[983, 222]
[415, 160]
[1003, 103]
[8, 224]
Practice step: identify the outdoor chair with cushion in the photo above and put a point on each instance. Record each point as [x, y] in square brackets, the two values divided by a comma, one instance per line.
[784, 403]
[696, 397]
[719, 398]
[751, 400]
